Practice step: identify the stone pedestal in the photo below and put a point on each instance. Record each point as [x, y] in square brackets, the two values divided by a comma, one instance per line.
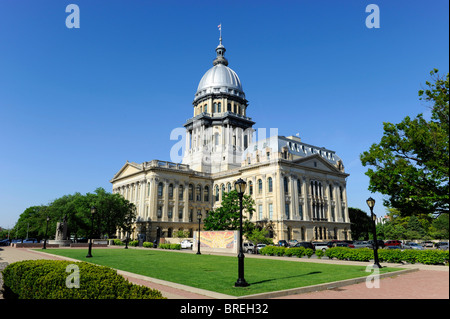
[60, 242]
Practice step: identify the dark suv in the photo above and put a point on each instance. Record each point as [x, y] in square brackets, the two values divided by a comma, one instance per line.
[305, 244]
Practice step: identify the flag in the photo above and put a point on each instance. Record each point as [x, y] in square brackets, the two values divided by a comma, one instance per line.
[220, 27]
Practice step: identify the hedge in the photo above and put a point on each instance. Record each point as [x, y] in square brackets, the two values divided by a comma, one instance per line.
[428, 257]
[46, 279]
[288, 252]
[170, 246]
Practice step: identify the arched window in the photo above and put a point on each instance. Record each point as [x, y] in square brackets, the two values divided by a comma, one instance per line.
[160, 189]
[217, 193]
[191, 192]
[198, 193]
[250, 188]
[269, 184]
[215, 107]
[219, 107]
[206, 194]
[228, 187]
[180, 192]
[170, 191]
[223, 190]
[260, 186]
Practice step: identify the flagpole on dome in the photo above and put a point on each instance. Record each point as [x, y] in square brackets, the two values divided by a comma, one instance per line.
[220, 32]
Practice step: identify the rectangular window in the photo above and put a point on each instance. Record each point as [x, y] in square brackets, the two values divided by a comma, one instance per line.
[180, 214]
[287, 211]
[300, 211]
[170, 212]
[260, 212]
[270, 211]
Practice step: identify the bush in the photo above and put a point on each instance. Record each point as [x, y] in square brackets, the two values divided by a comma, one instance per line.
[147, 244]
[295, 251]
[170, 246]
[118, 242]
[273, 251]
[46, 279]
[319, 253]
[133, 243]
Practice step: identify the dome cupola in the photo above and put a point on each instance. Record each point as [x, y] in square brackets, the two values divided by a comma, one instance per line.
[220, 78]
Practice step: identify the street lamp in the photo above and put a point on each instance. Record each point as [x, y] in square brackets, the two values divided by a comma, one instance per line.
[371, 203]
[199, 217]
[93, 212]
[46, 228]
[240, 185]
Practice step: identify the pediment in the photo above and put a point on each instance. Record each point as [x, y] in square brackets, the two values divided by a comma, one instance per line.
[127, 170]
[317, 162]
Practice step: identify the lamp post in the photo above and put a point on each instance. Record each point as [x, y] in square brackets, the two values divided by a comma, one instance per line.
[46, 228]
[199, 217]
[93, 212]
[371, 203]
[240, 185]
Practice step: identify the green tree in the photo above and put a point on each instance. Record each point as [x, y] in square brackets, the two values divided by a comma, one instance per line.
[113, 212]
[411, 162]
[360, 223]
[226, 217]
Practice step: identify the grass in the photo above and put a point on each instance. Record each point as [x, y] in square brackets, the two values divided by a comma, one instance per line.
[218, 273]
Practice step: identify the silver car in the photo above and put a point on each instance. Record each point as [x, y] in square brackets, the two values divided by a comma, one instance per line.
[362, 244]
[414, 246]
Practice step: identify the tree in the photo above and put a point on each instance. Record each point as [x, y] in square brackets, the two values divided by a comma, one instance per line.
[113, 212]
[360, 223]
[226, 217]
[411, 162]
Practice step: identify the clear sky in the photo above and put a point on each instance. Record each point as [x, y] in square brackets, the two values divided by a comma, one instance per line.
[76, 104]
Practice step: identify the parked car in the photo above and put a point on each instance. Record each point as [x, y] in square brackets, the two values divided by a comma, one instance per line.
[362, 244]
[283, 243]
[305, 244]
[293, 242]
[390, 243]
[5, 242]
[248, 247]
[344, 244]
[321, 245]
[30, 240]
[442, 245]
[410, 245]
[392, 247]
[186, 244]
[379, 241]
[427, 243]
[260, 246]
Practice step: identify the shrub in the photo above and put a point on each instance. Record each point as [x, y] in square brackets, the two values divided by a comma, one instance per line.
[170, 246]
[147, 244]
[133, 243]
[118, 242]
[295, 251]
[273, 251]
[309, 252]
[46, 279]
[319, 253]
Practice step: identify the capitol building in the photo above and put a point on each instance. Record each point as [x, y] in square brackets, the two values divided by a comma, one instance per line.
[299, 189]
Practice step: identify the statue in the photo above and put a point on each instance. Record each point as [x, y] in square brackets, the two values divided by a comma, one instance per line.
[61, 229]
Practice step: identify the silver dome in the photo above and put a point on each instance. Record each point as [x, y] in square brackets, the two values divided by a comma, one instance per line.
[220, 79]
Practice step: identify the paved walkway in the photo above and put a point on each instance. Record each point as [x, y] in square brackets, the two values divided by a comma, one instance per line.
[429, 282]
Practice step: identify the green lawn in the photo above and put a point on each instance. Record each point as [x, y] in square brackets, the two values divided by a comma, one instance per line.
[218, 273]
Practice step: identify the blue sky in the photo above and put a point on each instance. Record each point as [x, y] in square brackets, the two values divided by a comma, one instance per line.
[76, 104]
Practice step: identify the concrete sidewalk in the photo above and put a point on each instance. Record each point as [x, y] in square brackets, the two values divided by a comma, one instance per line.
[427, 281]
